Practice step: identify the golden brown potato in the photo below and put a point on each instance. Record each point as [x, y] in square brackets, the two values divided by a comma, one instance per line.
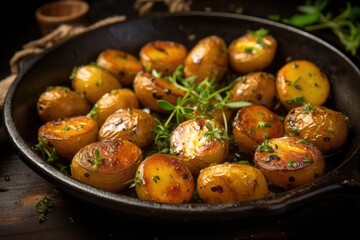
[93, 82]
[163, 56]
[129, 124]
[253, 51]
[68, 135]
[61, 102]
[207, 59]
[253, 124]
[109, 165]
[289, 162]
[256, 87]
[112, 101]
[231, 182]
[165, 179]
[123, 65]
[325, 128]
[199, 142]
[301, 81]
[150, 89]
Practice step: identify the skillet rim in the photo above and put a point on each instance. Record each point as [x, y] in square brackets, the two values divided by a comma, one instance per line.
[281, 203]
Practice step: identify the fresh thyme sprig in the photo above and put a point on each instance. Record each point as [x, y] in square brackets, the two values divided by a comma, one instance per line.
[40, 147]
[95, 161]
[216, 132]
[50, 156]
[345, 25]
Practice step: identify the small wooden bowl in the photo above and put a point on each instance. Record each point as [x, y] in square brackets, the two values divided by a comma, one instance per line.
[53, 14]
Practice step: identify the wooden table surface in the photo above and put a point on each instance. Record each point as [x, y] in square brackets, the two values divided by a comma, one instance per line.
[331, 214]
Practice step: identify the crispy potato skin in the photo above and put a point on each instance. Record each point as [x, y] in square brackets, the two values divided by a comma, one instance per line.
[123, 65]
[291, 163]
[120, 162]
[256, 87]
[302, 79]
[129, 124]
[61, 102]
[163, 56]
[208, 58]
[68, 135]
[165, 179]
[253, 124]
[150, 89]
[93, 82]
[189, 142]
[112, 101]
[246, 54]
[230, 182]
[325, 128]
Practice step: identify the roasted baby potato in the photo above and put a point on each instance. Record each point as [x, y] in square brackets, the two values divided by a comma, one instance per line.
[256, 87]
[253, 51]
[61, 102]
[253, 124]
[163, 56]
[129, 124]
[199, 142]
[68, 135]
[123, 65]
[165, 179]
[93, 81]
[231, 182]
[149, 89]
[289, 162]
[207, 59]
[109, 165]
[301, 81]
[112, 101]
[325, 128]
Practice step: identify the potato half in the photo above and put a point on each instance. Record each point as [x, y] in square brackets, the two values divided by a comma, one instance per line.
[112, 101]
[199, 142]
[256, 87]
[109, 165]
[164, 178]
[130, 124]
[253, 51]
[149, 89]
[93, 81]
[253, 124]
[123, 65]
[302, 81]
[61, 102]
[163, 56]
[325, 128]
[68, 135]
[231, 182]
[207, 59]
[289, 162]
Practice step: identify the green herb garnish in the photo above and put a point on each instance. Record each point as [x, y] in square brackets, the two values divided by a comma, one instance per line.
[43, 207]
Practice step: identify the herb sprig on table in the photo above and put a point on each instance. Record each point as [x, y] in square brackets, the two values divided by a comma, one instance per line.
[345, 26]
[43, 207]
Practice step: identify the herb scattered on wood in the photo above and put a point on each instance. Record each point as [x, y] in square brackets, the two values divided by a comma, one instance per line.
[345, 26]
[43, 207]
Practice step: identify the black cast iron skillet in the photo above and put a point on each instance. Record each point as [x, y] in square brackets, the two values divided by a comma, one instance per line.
[54, 67]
